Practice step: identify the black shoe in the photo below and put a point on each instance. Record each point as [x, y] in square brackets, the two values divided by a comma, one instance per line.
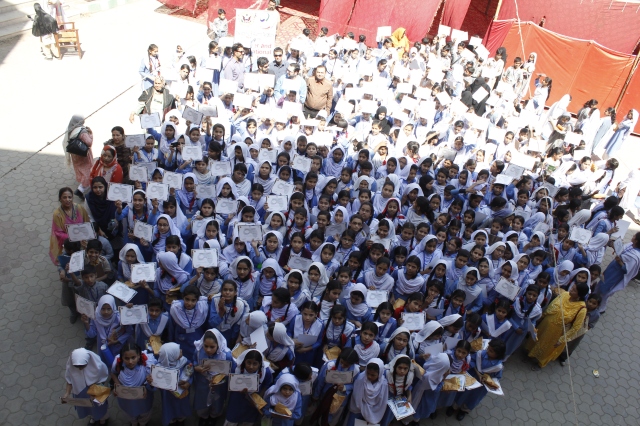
[461, 415]
[73, 318]
[79, 194]
[450, 411]
[433, 415]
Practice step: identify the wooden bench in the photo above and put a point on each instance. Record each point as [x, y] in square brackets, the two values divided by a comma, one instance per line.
[67, 37]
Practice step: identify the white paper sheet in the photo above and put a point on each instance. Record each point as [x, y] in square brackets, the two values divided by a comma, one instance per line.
[226, 206]
[157, 191]
[219, 168]
[277, 203]
[137, 314]
[623, 227]
[165, 378]
[299, 262]
[259, 339]
[76, 262]
[138, 173]
[150, 120]
[131, 141]
[281, 187]
[174, 180]
[413, 321]
[85, 306]
[121, 291]
[143, 272]
[191, 153]
[206, 258]
[240, 382]
[81, 232]
[120, 192]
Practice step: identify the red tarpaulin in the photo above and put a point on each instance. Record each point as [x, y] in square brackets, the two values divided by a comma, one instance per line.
[614, 24]
[631, 99]
[454, 13]
[496, 34]
[576, 66]
[365, 16]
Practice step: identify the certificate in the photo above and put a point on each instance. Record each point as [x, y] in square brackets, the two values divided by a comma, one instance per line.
[413, 321]
[143, 230]
[174, 180]
[192, 115]
[85, 306]
[143, 272]
[305, 387]
[166, 378]
[206, 258]
[240, 382]
[307, 339]
[281, 187]
[131, 141]
[344, 107]
[157, 191]
[480, 94]
[382, 33]
[227, 86]
[252, 82]
[227, 206]
[218, 366]
[618, 246]
[502, 179]
[258, 338]
[459, 36]
[138, 173]
[120, 192]
[266, 81]
[151, 167]
[269, 155]
[77, 402]
[192, 153]
[213, 63]
[205, 191]
[130, 392]
[121, 291]
[76, 262]
[208, 110]
[219, 168]
[507, 289]
[81, 232]
[196, 225]
[277, 203]
[250, 232]
[335, 229]
[150, 120]
[434, 349]
[243, 101]
[134, 315]
[376, 297]
[299, 262]
[513, 171]
[497, 134]
[580, 235]
[623, 226]
[339, 377]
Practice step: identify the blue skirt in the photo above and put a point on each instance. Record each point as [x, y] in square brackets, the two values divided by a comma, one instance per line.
[137, 407]
[428, 403]
[174, 408]
[97, 412]
[201, 394]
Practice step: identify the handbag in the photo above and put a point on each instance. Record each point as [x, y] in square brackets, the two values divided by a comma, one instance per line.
[76, 147]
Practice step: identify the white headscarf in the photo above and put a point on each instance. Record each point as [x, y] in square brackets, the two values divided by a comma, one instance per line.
[281, 337]
[222, 343]
[94, 372]
[268, 182]
[473, 291]
[314, 290]
[449, 319]
[400, 381]
[106, 323]
[159, 247]
[345, 215]
[169, 262]
[362, 308]
[275, 397]
[332, 168]
[126, 269]
[371, 398]
[428, 329]
[408, 286]
[580, 218]
[170, 356]
[435, 369]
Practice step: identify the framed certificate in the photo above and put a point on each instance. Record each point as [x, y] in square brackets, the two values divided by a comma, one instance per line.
[192, 153]
[299, 262]
[226, 206]
[138, 173]
[376, 297]
[205, 258]
[301, 163]
[166, 378]
[192, 115]
[143, 230]
[250, 232]
[131, 141]
[507, 289]
[219, 168]
[269, 155]
[174, 180]
[205, 191]
[217, 366]
[240, 382]
[143, 272]
[278, 203]
[81, 232]
[121, 291]
[157, 191]
[134, 315]
[281, 187]
[150, 120]
[413, 321]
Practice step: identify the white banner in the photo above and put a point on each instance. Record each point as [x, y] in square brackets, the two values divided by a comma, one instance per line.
[257, 29]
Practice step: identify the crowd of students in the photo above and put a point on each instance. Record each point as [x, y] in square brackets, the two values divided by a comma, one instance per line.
[432, 232]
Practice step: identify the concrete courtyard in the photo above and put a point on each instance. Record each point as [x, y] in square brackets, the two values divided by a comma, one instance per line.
[35, 335]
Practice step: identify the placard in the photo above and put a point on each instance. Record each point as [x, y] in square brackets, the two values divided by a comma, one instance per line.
[299, 262]
[382, 33]
[143, 272]
[213, 63]
[240, 382]
[192, 153]
[618, 246]
[266, 81]
[121, 291]
[137, 314]
[459, 36]
[138, 173]
[277, 203]
[248, 233]
[205, 191]
[281, 187]
[226, 206]
[580, 235]
[270, 155]
[301, 163]
[413, 321]
[336, 377]
[85, 307]
[219, 168]
[573, 138]
[166, 378]
[344, 107]
[209, 110]
[507, 289]
[447, 153]
[76, 262]
[227, 86]
[552, 190]
[120, 192]
[503, 179]
[444, 30]
[251, 82]
[436, 76]
[406, 88]
[130, 392]
[217, 366]
[623, 227]
[157, 191]
[475, 41]
[242, 100]
[148, 121]
[131, 141]
[292, 109]
[522, 160]
[174, 180]
[514, 171]
[376, 297]
[81, 232]
[497, 134]
[444, 98]
[335, 229]
[480, 94]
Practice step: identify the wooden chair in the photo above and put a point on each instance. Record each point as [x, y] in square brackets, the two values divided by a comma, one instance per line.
[67, 37]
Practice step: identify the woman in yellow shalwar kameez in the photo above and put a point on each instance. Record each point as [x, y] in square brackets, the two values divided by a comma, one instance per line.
[399, 40]
[551, 339]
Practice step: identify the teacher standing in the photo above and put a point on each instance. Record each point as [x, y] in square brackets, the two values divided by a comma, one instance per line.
[81, 165]
[319, 93]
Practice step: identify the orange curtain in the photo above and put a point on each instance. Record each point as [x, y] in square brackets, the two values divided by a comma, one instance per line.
[631, 98]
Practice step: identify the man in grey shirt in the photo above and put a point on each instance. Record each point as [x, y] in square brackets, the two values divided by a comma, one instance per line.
[234, 69]
[278, 67]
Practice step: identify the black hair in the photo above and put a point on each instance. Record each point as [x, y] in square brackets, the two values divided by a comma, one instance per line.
[349, 355]
[154, 302]
[474, 319]
[499, 347]
[370, 326]
[88, 269]
[129, 346]
[191, 290]
[94, 245]
[235, 298]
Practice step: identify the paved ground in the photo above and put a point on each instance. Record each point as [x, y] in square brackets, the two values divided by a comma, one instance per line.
[35, 333]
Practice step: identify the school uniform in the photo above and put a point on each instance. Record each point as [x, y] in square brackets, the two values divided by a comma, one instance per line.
[137, 410]
[492, 328]
[524, 314]
[296, 328]
[186, 326]
[153, 327]
[175, 405]
[94, 372]
[480, 364]
[228, 322]
[324, 392]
